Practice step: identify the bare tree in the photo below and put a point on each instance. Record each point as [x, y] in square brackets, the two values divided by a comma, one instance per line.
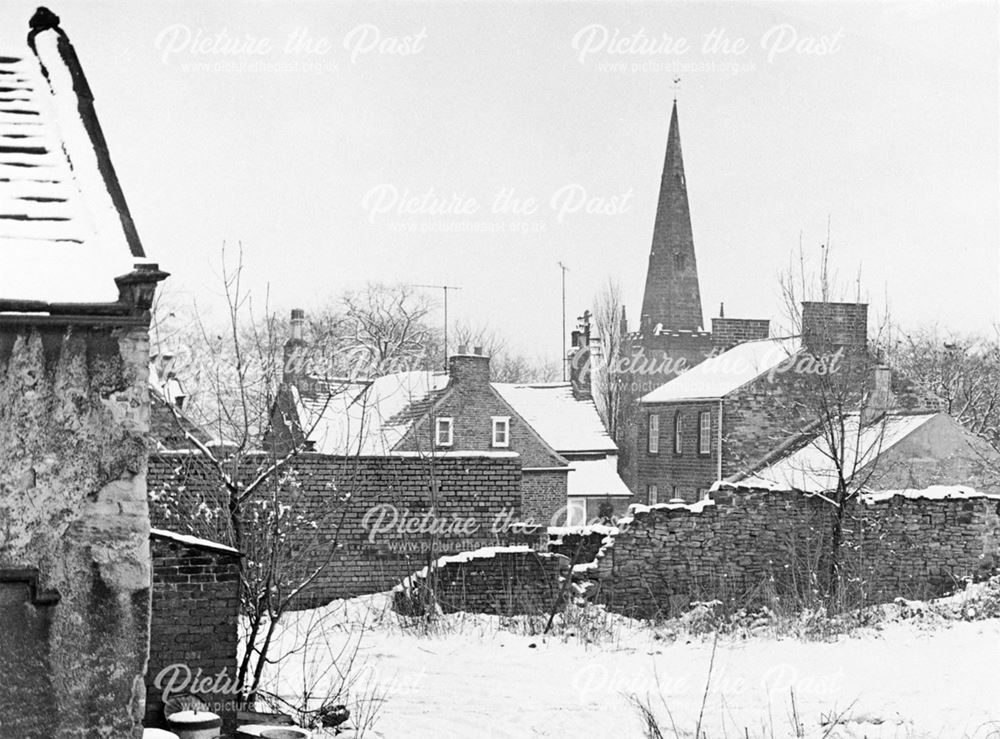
[239, 485]
[830, 403]
[390, 324]
[505, 365]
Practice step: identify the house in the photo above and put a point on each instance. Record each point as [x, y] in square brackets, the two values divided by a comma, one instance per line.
[752, 405]
[567, 458]
[75, 294]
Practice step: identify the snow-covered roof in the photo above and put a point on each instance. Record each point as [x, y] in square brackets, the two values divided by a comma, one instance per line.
[368, 418]
[720, 375]
[810, 468]
[596, 477]
[64, 226]
[565, 423]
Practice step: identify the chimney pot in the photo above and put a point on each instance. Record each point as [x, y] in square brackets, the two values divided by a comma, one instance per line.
[463, 348]
[478, 351]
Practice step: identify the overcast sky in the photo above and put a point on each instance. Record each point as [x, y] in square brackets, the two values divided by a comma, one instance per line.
[343, 143]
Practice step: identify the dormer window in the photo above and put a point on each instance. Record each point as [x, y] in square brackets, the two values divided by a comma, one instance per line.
[443, 432]
[501, 431]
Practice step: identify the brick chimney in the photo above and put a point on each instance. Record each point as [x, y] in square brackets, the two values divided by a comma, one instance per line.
[829, 326]
[881, 399]
[469, 369]
[580, 360]
[294, 367]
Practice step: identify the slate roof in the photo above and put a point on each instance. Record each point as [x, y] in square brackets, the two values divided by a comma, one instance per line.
[64, 224]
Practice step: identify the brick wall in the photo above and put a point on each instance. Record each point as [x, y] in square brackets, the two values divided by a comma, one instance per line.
[194, 620]
[754, 540]
[688, 471]
[470, 489]
[728, 332]
[543, 496]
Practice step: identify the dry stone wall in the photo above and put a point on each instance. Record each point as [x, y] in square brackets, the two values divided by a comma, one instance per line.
[752, 545]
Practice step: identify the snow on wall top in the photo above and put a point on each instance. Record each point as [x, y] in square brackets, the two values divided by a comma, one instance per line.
[565, 423]
[811, 469]
[718, 376]
[59, 223]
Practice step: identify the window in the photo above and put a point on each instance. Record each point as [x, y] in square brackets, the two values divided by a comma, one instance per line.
[501, 431]
[678, 433]
[442, 432]
[704, 432]
[651, 494]
[654, 433]
[678, 261]
[576, 511]
[702, 493]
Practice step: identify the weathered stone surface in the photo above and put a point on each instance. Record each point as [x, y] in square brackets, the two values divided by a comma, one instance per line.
[73, 416]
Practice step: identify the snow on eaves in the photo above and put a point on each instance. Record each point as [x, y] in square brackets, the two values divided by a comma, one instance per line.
[720, 375]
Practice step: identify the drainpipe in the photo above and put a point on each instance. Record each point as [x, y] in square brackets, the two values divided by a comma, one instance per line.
[718, 464]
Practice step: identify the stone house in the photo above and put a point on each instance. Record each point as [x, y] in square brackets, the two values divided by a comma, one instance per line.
[75, 293]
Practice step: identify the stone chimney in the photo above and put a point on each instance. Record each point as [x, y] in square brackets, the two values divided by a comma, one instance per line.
[469, 369]
[827, 327]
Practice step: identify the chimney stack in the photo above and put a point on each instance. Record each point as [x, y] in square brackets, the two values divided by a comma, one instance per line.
[469, 369]
[827, 327]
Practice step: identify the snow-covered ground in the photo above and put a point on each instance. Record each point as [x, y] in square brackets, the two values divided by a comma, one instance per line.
[470, 678]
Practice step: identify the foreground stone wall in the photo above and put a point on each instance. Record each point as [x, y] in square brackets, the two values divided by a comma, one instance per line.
[752, 545]
[74, 411]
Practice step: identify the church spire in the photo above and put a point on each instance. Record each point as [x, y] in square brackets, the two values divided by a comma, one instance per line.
[672, 297]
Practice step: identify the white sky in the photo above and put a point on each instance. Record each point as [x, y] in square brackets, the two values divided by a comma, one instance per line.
[892, 133]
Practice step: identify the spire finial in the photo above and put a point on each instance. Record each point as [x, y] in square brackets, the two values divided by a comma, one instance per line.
[677, 86]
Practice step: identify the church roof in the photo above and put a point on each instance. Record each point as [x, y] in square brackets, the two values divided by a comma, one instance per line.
[63, 219]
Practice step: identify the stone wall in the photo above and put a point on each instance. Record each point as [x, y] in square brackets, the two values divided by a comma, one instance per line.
[498, 582]
[194, 620]
[74, 411]
[751, 545]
